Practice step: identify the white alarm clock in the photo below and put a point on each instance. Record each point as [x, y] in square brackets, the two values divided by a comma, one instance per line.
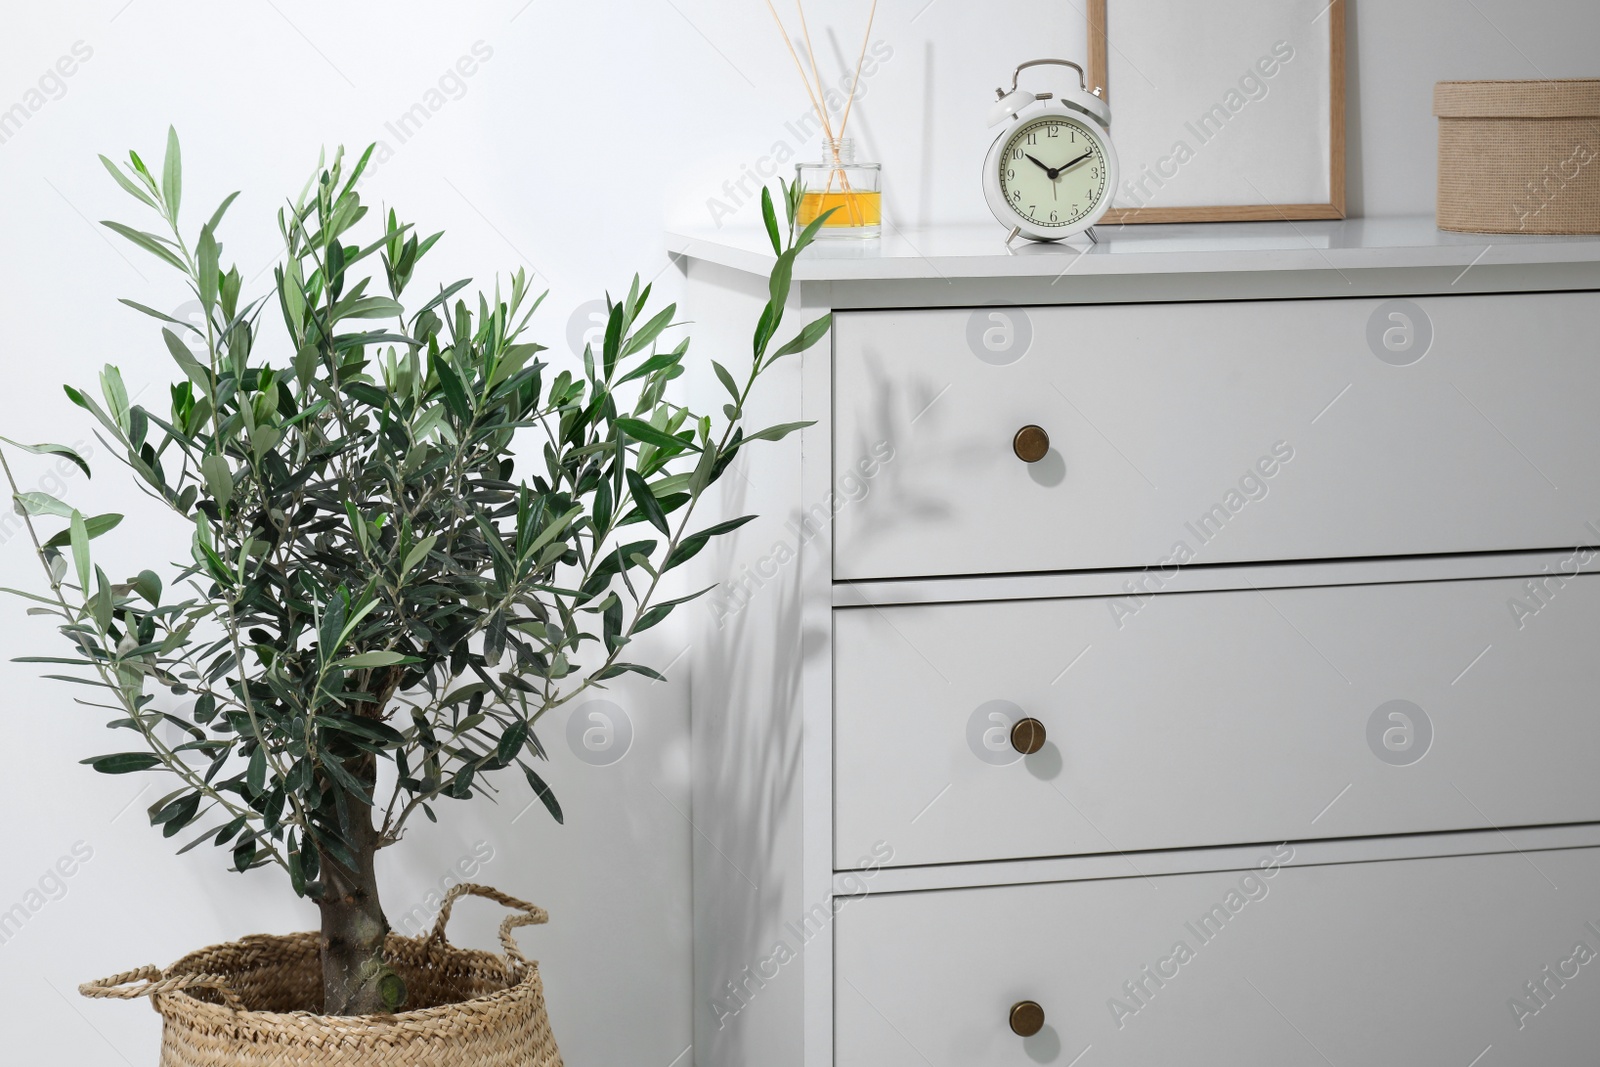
[1051, 172]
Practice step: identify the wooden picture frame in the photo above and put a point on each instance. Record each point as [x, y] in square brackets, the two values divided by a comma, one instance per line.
[1101, 58]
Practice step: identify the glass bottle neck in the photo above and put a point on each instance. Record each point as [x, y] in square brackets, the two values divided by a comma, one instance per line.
[838, 150]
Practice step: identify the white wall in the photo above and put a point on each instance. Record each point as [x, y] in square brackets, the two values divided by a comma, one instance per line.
[588, 127]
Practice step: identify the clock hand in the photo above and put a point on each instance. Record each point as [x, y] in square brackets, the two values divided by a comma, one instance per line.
[1049, 172]
[1075, 162]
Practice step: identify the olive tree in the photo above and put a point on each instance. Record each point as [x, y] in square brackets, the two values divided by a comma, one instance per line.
[412, 538]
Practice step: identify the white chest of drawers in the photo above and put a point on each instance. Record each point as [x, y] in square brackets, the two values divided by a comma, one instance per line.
[1288, 582]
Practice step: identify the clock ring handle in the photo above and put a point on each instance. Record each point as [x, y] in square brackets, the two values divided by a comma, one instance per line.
[1083, 82]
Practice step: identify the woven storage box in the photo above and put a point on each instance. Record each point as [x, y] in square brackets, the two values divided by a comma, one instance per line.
[1519, 156]
[244, 1004]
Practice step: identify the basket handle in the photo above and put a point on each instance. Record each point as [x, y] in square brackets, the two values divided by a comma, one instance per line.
[529, 915]
[120, 987]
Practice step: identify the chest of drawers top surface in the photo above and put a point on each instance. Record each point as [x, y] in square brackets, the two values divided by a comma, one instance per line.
[977, 251]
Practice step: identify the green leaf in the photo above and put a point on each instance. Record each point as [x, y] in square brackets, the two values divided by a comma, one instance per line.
[778, 294]
[219, 477]
[143, 172]
[370, 307]
[617, 669]
[185, 359]
[545, 794]
[95, 525]
[455, 395]
[255, 777]
[152, 312]
[116, 395]
[103, 603]
[640, 430]
[147, 241]
[355, 172]
[653, 615]
[703, 472]
[725, 527]
[42, 504]
[613, 339]
[726, 378]
[659, 362]
[766, 325]
[203, 838]
[809, 234]
[374, 659]
[124, 762]
[172, 175]
[128, 183]
[177, 814]
[791, 199]
[336, 770]
[551, 530]
[650, 331]
[647, 502]
[353, 621]
[809, 335]
[206, 267]
[511, 742]
[418, 553]
[690, 546]
[52, 450]
[79, 535]
[148, 585]
[222, 209]
[444, 294]
[89, 404]
[779, 432]
[771, 219]
[368, 729]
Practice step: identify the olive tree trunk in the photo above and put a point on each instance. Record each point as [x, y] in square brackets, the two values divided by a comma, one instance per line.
[356, 980]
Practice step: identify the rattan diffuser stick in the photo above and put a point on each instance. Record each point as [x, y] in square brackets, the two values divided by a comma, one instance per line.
[860, 59]
[816, 75]
[815, 90]
[816, 105]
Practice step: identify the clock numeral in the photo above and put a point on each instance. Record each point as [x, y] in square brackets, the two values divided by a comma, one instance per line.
[1017, 195]
[1017, 153]
[1056, 218]
[1011, 174]
[1054, 131]
[1033, 138]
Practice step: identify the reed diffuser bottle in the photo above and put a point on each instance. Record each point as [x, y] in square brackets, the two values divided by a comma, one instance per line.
[853, 191]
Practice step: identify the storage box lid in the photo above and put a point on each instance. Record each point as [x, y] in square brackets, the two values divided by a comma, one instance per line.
[1560, 98]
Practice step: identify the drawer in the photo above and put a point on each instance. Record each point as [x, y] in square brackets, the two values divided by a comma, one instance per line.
[1384, 964]
[1215, 718]
[1215, 432]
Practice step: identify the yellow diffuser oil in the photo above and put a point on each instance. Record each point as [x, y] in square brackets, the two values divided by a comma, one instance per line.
[849, 209]
[853, 191]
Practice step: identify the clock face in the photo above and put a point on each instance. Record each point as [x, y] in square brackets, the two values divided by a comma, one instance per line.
[1053, 172]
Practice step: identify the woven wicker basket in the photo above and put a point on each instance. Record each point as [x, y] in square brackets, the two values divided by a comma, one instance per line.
[1519, 156]
[244, 1004]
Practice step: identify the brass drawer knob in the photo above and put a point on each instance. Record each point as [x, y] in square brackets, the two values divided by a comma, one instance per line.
[1027, 737]
[1027, 1018]
[1031, 444]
